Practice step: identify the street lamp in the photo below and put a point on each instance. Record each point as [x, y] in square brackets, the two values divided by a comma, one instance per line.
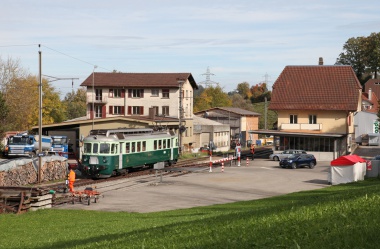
[93, 95]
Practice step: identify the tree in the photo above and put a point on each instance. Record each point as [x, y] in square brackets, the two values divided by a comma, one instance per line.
[243, 90]
[4, 110]
[211, 97]
[363, 54]
[75, 103]
[260, 92]
[372, 48]
[239, 102]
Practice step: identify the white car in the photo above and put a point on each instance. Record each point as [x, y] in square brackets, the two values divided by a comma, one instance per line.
[285, 154]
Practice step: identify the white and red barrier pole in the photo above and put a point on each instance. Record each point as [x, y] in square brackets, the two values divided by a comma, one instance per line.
[222, 166]
[247, 161]
[210, 161]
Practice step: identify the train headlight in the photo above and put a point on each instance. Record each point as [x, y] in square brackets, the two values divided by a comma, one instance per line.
[104, 159]
[85, 159]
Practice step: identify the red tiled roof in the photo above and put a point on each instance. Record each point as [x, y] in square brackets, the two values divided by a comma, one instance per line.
[316, 88]
[374, 84]
[138, 79]
[373, 101]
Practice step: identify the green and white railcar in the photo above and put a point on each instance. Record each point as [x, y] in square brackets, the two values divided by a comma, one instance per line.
[112, 152]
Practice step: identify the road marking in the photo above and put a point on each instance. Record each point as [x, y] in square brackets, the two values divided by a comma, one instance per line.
[267, 168]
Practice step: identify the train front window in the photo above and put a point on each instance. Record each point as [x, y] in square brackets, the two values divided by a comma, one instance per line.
[164, 143]
[95, 148]
[113, 148]
[87, 147]
[104, 148]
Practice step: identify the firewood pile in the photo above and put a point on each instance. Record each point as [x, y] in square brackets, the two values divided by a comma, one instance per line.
[25, 172]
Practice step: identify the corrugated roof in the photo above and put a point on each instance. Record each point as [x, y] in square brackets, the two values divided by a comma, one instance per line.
[205, 121]
[316, 88]
[142, 80]
[235, 110]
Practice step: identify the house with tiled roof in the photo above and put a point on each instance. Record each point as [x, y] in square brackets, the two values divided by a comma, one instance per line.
[159, 97]
[373, 85]
[367, 127]
[240, 121]
[316, 107]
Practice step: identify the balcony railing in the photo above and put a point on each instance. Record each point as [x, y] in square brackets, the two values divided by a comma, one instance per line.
[312, 127]
[97, 99]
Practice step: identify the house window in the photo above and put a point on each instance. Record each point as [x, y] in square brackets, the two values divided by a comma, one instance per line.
[312, 119]
[117, 93]
[135, 93]
[165, 110]
[165, 93]
[98, 94]
[293, 119]
[155, 92]
[138, 110]
[116, 110]
[98, 111]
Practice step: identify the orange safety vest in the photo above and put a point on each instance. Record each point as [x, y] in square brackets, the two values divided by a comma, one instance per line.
[72, 176]
[252, 148]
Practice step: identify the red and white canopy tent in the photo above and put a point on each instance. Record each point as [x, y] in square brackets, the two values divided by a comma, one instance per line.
[349, 168]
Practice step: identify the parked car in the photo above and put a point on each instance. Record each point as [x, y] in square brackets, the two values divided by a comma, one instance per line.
[207, 149]
[299, 160]
[285, 154]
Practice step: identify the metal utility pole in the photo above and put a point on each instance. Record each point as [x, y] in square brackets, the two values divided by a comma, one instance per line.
[40, 113]
[40, 110]
[180, 83]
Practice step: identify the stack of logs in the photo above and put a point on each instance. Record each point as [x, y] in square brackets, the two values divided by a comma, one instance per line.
[22, 199]
[27, 174]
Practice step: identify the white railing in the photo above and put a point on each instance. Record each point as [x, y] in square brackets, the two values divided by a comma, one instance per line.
[314, 127]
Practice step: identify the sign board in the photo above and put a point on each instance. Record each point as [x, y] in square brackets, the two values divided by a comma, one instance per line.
[376, 127]
[159, 165]
[369, 165]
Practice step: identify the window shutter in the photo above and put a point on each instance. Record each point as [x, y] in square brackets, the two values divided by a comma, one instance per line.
[104, 111]
[110, 109]
[129, 93]
[142, 110]
[111, 93]
[122, 111]
[122, 93]
[129, 110]
[91, 112]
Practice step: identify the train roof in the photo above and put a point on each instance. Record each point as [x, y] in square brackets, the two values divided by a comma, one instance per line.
[128, 134]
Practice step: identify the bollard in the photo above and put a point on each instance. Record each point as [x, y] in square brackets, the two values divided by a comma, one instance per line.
[238, 161]
[247, 161]
[222, 167]
[210, 166]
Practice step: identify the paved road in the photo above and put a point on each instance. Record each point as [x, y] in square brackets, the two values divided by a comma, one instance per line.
[260, 179]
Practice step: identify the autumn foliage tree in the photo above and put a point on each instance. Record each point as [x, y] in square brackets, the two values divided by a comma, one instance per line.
[211, 97]
[75, 103]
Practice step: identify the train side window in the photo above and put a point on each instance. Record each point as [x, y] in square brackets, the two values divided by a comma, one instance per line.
[138, 146]
[164, 144]
[87, 148]
[155, 145]
[133, 147]
[113, 148]
[127, 148]
[144, 146]
[159, 144]
[169, 143]
[95, 148]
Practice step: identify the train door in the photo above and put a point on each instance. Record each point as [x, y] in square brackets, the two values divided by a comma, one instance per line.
[172, 149]
[121, 152]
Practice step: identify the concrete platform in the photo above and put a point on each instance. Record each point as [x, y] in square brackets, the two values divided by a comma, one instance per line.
[260, 179]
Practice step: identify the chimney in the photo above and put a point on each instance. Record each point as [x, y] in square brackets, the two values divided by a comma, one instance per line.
[320, 61]
[370, 94]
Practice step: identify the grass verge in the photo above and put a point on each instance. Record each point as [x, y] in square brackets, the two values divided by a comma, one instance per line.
[343, 216]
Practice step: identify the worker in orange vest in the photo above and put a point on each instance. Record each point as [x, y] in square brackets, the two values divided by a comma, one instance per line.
[71, 178]
[253, 151]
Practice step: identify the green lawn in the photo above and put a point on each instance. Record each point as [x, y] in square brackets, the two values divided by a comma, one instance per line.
[344, 216]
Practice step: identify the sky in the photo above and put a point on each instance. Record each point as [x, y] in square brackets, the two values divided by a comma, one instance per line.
[237, 40]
